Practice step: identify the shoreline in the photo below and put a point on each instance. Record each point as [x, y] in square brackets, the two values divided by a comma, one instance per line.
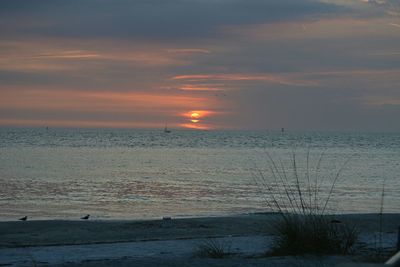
[50, 232]
[181, 217]
[72, 232]
[170, 242]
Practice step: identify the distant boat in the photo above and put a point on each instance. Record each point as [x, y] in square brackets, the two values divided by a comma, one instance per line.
[166, 129]
[85, 217]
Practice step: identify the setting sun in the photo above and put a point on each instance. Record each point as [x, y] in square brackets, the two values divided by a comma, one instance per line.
[195, 117]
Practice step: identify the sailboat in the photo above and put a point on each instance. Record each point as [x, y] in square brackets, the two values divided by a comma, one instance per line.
[166, 129]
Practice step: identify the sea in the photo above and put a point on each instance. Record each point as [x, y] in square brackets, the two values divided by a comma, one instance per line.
[114, 174]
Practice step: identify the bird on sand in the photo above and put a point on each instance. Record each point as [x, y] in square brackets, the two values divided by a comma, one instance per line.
[85, 217]
[23, 218]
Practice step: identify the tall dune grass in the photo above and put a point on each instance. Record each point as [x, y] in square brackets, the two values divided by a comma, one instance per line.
[296, 194]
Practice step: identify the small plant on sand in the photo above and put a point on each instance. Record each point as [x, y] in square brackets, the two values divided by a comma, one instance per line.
[380, 253]
[213, 248]
[304, 227]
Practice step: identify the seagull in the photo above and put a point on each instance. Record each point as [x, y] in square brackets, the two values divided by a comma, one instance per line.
[85, 217]
[23, 218]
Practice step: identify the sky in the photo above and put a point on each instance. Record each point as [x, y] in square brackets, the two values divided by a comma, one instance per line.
[201, 64]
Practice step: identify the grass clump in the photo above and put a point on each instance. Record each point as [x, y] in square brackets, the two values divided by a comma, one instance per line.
[213, 248]
[297, 195]
[312, 234]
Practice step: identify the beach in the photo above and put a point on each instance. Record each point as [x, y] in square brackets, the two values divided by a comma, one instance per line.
[173, 242]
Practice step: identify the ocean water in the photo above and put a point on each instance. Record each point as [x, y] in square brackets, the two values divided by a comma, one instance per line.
[136, 174]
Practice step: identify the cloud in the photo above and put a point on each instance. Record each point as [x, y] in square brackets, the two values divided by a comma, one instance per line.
[333, 28]
[382, 101]
[385, 53]
[202, 87]
[285, 79]
[188, 51]
[75, 54]
[60, 55]
[147, 18]
[50, 99]
[375, 2]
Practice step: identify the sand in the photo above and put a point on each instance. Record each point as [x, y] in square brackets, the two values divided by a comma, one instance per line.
[169, 243]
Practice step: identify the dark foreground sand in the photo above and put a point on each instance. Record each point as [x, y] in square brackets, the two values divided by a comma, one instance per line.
[169, 243]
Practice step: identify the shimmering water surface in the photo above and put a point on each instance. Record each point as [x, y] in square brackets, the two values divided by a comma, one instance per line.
[121, 174]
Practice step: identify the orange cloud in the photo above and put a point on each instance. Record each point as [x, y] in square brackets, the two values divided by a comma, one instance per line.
[52, 55]
[225, 77]
[126, 109]
[49, 99]
[201, 87]
[189, 50]
[74, 54]
[286, 78]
